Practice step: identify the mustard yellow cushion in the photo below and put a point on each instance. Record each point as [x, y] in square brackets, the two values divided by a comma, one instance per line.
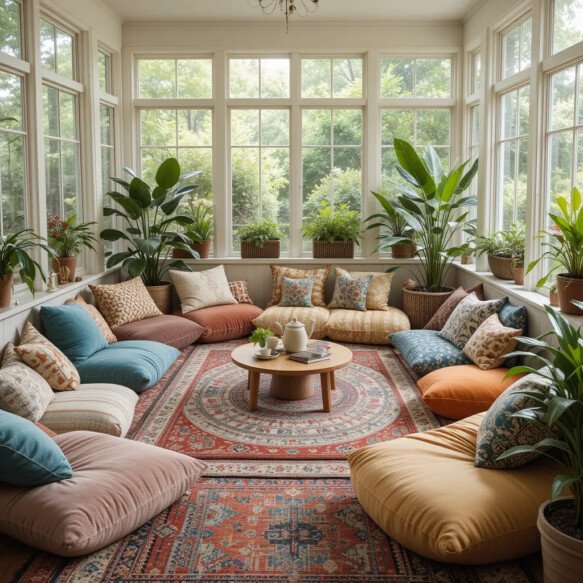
[377, 297]
[424, 491]
[283, 315]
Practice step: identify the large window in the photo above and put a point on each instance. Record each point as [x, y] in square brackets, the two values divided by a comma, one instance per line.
[56, 50]
[403, 77]
[10, 28]
[567, 28]
[332, 78]
[259, 78]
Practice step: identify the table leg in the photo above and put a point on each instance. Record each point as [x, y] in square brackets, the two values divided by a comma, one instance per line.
[253, 386]
[326, 392]
[332, 380]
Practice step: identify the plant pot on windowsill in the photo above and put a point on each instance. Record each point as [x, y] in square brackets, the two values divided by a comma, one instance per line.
[402, 251]
[333, 250]
[501, 267]
[65, 267]
[6, 286]
[268, 250]
[467, 259]
[162, 296]
[568, 289]
[518, 272]
[203, 249]
[421, 305]
[554, 297]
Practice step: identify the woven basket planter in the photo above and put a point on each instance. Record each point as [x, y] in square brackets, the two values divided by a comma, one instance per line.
[420, 306]
[334, 250]
[162, 296]
[270, 250]
[501, 267]
[203, 250]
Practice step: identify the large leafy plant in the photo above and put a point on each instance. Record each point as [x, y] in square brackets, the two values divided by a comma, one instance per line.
[559, 405]
[432, 204]
[328, 224]
[508, 244]
[151, 218]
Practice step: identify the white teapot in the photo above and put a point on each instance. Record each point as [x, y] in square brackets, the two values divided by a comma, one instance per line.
[294, 335]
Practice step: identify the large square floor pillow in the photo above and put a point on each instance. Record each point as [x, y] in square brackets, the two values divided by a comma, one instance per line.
[137, 364]
[283, 315]
[117, 486]
[457, 392]
[171, 330]
[424, 491]
[370, 327]
[221, 323]
[95, 407]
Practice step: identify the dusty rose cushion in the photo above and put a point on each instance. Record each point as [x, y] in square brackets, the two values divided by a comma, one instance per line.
[170, 330]
[224, 322]
[117, 486]
[446, 309]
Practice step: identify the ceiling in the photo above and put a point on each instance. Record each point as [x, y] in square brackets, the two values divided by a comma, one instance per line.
[328, 10]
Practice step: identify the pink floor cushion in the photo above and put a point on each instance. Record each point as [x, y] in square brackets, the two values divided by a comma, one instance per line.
[171, 330]
[222, 323]
[117, 486]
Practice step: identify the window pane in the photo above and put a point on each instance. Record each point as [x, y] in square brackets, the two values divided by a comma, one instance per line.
[64, 54]
[151, 160]
[47, 46]
[511, 52]
[347, 78]
[563, 99]
[106, 124]
[274, 78]
[245, 127]
[520, 216]
[192, 159]
[433, 78]
[10, 42]
[525, 44]
[476, 72]
[53, 177]
[509, 114]
[317, 169]
[523, 110]
[275, 186]
[194, 78]
[397, 77]
[158, 127]
[157, 78]
[195, 127]
[397, 123]
[275, 127]
[51, 111]
[245, 164]
[579, 177]
[104, 71]
[12, 182]
[347, 127]
[580, 96]
[70, 162]
[317, 127]
[10, 101]
[433, 127]
[567, 23]
[244, 78]
[68, 123]
[561, 163]
[316, 78]
[508, 174]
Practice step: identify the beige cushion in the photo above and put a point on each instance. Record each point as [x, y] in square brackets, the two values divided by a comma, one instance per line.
[202, 289]
[97, 317]
[117, 486]
[47, 360]
[103, 408]
[424, 491]
[283, 315]
[22, 390]
[124, 302]
[278, 272]
[370, 327]
[377, 297]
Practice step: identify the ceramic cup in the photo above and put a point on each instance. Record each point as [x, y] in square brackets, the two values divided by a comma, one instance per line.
[265, 352]
[272, 342]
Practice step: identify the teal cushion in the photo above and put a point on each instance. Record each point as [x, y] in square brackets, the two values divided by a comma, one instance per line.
[73, 330]
[28, 456]
[137, 364]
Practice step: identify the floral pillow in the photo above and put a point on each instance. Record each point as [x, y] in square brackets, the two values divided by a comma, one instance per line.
[297, 293]
[350, 292]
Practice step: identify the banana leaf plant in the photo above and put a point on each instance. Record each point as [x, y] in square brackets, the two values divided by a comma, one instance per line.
[151, 219]
[432, 205]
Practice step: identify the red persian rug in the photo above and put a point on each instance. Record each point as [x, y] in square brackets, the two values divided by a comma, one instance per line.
[261, 531]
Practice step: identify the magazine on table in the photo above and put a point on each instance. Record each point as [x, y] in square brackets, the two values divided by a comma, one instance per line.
[311, 355]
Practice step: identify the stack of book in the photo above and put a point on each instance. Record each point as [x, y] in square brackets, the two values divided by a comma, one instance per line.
[311, 355]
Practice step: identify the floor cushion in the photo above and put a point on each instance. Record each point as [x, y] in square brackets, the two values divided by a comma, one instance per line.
[137, 364]
[424, 351]
[457, 392]
[370, 327]
[226, 322]
[96, 315]
[103, 408]
[284, 315]
[117, 486]
[424, 491]
[171, 330]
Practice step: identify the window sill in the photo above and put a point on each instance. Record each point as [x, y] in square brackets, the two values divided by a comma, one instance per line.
[301, 261]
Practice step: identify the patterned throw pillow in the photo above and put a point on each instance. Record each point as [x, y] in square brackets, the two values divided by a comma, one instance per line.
[202, 289]
[467, 317]
[297, 293]
[499, 430]
[278, 272]
[125, 302]
[97, 317]
[446, 309]
[240, 291]
[350, 292]
[379, 289]
[47, 360]
[490, 342]
[22, 390]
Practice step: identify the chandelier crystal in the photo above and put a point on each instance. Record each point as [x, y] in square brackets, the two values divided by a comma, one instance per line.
[287, 7]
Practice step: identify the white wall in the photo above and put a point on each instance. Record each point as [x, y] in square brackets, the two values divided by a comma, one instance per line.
[488, 14]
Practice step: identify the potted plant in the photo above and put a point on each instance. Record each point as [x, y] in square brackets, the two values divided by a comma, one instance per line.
[260, 240]
[15, 257]
[260, 336]
[68, 239]
[150, 234]
[559, 410]
[392, 226]
[433, 206]
[201, 230]
[333, 232]
[553, 296]
[505, 250]
[563, 247]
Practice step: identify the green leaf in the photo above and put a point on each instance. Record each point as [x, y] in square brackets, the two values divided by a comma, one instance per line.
[147, 246]
[129, 171]
[135, 266]
[117, 258]
[171, 205]
[140, 192]
[412, 163]
[168, 173]
[113, 235]
[121, 182]
[575, 198]
[131, 207]
[556, 407]
[560, 484]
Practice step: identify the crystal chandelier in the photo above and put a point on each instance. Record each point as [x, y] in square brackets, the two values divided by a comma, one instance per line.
[287, 7]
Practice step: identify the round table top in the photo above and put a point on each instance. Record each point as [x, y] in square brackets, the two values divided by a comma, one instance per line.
[282, 365]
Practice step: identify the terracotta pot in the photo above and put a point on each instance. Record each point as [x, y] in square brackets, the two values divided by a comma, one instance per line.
[270, 250]
[336, 249]
[60, 263]
[162, 296]
[420, 306]
[203, 249]
[554, 299]
[519, 275]
[6, 283]
[402, 251]
[501, 267]
[569, 288]
[467, 259]
[562, 554]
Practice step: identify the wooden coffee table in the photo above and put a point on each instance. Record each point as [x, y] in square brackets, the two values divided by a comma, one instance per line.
[291, 380]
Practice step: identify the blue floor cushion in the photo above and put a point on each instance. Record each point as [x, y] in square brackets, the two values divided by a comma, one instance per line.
[425, 351]
[137, 364]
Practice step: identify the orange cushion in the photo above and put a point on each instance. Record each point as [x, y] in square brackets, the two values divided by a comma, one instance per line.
[457, 392]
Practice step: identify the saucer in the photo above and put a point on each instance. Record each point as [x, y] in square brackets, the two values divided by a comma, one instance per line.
[258, 356]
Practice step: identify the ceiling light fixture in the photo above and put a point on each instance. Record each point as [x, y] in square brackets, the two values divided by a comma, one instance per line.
[287, 7]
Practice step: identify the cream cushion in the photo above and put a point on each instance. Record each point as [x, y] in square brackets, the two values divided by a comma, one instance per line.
[102, 408]
[377, 297]
[370, 327]
[202, 289]
[424, 491]
[284, 314]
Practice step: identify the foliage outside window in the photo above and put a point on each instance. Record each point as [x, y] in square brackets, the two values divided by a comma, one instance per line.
[104, 71]
[516, 49]
[259, 78]
[567, 29]
[10, 28]
[56, 50]
[476, 72]
[332, 78]
[405, 77]
[175, 78]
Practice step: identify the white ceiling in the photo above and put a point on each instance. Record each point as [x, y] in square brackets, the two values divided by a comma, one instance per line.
[328, 10]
